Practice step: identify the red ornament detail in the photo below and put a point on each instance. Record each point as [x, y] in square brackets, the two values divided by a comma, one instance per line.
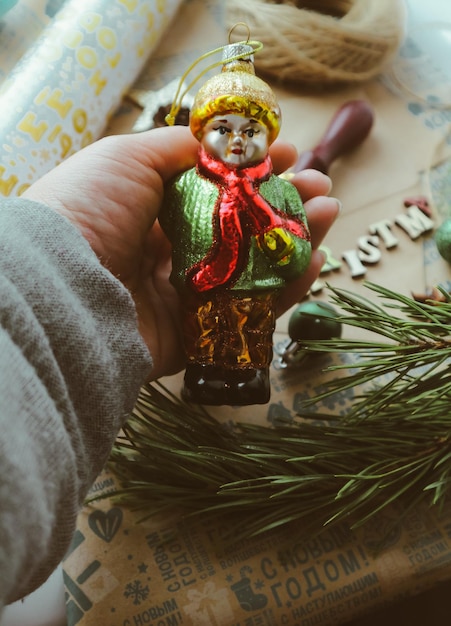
[240, 212]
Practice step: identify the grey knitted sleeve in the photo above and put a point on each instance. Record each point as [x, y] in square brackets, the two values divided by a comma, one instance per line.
[71, 364]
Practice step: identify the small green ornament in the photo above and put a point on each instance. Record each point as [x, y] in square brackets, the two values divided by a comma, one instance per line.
[313, 320]
[443, 240]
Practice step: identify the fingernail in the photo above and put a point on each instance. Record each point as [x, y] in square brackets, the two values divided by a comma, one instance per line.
[339, 206]
[324, 255]
[330, 183]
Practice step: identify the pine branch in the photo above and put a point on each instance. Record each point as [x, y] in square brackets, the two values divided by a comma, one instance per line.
[270, 477]
[394, 445]
[416, 355]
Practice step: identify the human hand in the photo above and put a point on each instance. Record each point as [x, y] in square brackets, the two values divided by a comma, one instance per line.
[112, 192]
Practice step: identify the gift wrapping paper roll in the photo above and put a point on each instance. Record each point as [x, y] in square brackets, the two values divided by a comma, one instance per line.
[59, 97]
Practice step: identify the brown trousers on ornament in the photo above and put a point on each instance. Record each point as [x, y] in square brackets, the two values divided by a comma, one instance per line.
[228, 342]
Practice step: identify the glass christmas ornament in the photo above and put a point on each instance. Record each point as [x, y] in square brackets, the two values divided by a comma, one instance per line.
[443, 240]
[309, 321]
[313, 320]
[238, 234]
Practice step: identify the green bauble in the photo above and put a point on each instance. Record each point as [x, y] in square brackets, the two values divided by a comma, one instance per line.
[313, 320]
[443, 240]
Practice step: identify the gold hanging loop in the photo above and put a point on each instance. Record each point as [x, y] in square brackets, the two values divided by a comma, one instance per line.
[246, 26]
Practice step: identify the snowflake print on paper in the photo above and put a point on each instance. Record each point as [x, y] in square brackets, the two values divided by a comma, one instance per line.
[137, 591]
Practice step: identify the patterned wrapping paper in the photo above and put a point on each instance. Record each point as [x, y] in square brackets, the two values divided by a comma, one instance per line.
[169, 571]
[121, 573]
[60, 95]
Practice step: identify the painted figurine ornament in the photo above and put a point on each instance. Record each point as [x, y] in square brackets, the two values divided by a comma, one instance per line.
[238, 234]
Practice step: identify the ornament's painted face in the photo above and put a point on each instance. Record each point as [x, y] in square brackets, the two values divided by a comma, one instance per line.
[235, 140]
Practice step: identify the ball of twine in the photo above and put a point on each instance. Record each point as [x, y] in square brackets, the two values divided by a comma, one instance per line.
[321, 42]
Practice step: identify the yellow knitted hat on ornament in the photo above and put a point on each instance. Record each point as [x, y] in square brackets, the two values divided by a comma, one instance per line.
[236, 90]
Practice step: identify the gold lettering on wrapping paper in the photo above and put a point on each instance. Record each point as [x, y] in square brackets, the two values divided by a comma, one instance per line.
[79, 120]
[113, 61]
[6, 186]
[55, 102]
[53, 99]
[79, 123]
[130, 5]
[86, 139]
[42, 95]
[107, 38]
[73, 39]
[66, 144]
[32, 128]
[161, 6]
[150, 20]
[23, 188]
[151, 36]
[98, 82]
[87, 57]
[148, 42]
[90, 21]
[55, 132]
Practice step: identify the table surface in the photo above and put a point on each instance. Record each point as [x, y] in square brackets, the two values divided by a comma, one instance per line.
[45, 607]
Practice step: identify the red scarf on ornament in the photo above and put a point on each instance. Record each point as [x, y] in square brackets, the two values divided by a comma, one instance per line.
[239, 213]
